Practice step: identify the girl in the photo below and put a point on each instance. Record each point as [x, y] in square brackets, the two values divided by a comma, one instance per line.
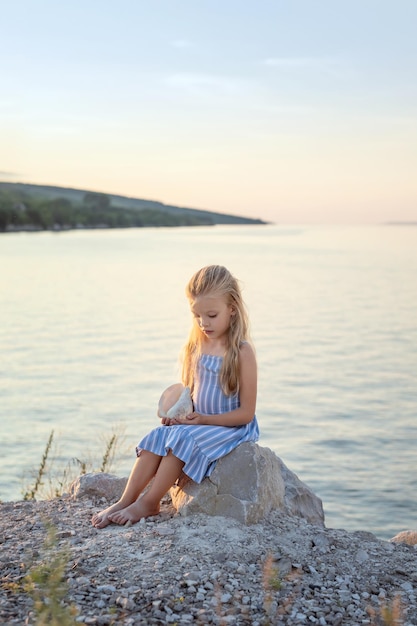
[219, 367]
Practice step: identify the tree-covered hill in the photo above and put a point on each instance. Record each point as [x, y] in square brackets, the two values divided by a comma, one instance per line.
[40, 207]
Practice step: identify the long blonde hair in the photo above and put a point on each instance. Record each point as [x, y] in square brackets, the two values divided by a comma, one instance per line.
[217, 281]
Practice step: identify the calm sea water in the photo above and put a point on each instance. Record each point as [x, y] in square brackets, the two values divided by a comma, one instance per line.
[91, 324]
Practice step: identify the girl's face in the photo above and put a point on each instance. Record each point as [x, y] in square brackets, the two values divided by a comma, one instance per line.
[213, 315]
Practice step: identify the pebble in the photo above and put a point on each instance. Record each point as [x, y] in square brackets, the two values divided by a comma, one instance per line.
[199, 569]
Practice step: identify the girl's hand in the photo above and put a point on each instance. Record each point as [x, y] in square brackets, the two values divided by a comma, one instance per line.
[172, 421]
[167, 421]
[191, 419]
[194, 418]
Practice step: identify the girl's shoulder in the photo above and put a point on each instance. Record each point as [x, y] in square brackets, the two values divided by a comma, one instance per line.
[246, 349]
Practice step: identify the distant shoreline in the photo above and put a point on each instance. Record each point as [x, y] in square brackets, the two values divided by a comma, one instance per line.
[32, 208]
[65, 229]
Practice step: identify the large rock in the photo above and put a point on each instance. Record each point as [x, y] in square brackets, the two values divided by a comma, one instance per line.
[100, 485]
[247, 484]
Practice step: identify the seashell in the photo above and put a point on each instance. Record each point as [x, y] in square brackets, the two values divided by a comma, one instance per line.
[184, 405]
[175, 402]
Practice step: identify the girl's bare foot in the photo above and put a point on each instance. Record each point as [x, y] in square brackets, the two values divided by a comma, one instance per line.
[101, 520]
[134, 512]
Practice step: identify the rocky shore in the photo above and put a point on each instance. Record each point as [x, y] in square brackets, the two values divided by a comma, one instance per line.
[202, 569]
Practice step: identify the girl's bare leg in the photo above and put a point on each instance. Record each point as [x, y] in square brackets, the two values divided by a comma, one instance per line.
[168, 472]
[143, 471]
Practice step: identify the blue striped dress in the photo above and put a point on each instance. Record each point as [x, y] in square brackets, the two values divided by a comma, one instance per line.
[201, 446]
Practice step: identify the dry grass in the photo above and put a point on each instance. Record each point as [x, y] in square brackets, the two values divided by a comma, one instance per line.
[51, 482]
[388, 614]
[46, 584]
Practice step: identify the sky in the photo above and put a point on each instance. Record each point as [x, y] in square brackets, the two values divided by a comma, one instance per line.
[295, 111]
